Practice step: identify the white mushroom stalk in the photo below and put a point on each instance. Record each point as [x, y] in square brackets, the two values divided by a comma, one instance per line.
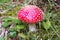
[32, 27]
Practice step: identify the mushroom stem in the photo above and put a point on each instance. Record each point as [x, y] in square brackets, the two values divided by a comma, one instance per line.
[32, 27]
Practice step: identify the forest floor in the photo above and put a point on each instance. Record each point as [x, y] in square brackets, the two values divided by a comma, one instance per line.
[13, 29]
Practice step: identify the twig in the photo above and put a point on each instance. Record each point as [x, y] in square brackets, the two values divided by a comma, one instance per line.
[6, 32]
[29, 1]
[3, 31]
[35, 2]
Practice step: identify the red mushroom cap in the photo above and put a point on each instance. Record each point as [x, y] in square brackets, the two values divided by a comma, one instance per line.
[30, 14]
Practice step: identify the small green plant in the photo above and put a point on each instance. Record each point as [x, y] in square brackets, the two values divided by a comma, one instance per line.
[12, 34]
[1, 38]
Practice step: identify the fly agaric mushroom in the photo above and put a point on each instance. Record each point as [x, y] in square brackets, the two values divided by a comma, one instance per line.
[30, 14]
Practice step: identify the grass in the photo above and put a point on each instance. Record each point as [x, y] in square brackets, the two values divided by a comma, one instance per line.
[49, 30]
